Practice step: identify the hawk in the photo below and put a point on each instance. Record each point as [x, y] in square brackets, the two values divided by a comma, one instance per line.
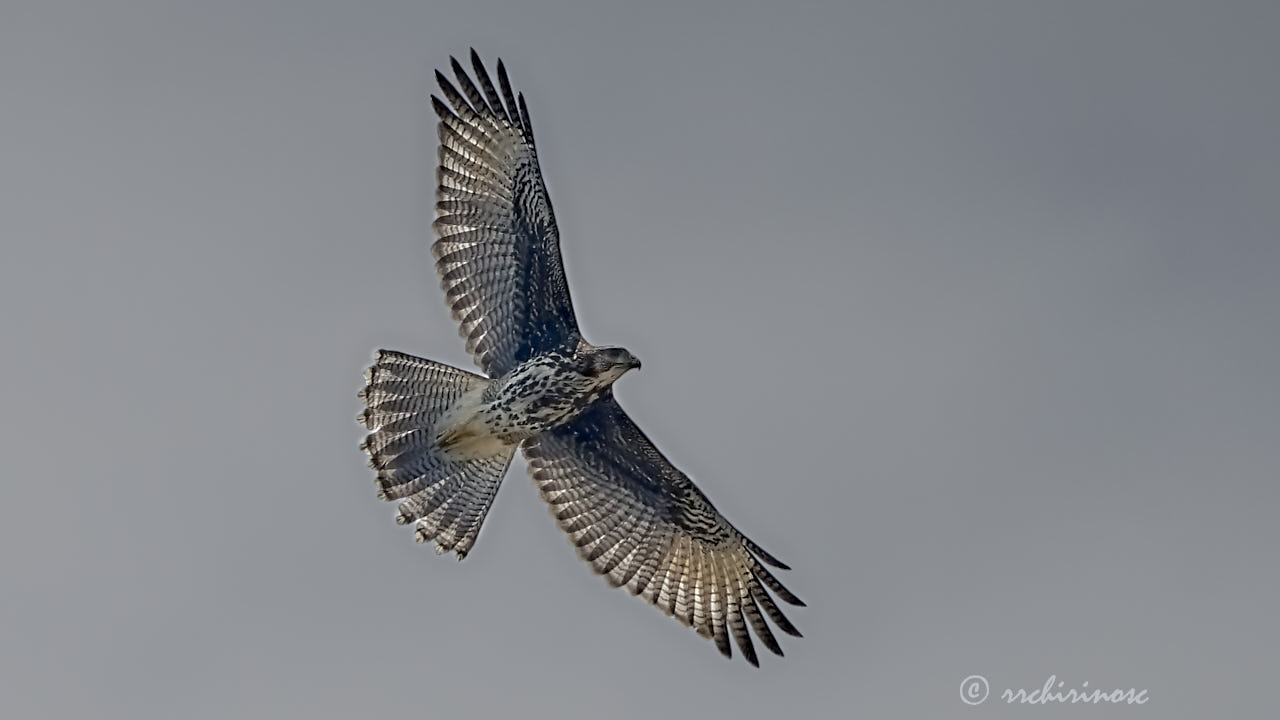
[441, 438]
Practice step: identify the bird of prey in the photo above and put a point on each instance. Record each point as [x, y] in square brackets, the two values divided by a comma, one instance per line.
[441, 438]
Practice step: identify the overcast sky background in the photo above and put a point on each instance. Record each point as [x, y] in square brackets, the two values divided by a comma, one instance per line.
[967, 310]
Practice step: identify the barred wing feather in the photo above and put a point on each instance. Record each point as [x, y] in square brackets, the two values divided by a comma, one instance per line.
[498, 252]
[645, 526]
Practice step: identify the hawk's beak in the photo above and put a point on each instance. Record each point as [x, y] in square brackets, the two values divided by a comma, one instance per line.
[634, 363]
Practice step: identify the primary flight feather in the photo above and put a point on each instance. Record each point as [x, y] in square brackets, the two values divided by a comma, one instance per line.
[441, 438]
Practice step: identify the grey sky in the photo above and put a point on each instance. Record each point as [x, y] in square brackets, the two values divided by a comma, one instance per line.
[966, 310]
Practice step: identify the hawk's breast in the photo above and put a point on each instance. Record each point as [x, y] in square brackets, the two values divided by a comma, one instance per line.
[542, 393]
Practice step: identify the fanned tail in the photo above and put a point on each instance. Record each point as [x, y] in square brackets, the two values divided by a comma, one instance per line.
[446, 497]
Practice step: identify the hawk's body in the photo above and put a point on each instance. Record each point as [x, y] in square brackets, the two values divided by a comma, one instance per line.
[441, 438]
[541, 393]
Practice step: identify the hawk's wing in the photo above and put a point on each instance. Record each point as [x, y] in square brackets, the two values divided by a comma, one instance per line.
[498, 255]
[643, 524]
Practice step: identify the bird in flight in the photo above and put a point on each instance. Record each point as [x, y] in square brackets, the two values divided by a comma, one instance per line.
[441, 438]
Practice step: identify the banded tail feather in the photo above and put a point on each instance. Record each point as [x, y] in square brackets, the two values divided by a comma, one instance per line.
[444, 496]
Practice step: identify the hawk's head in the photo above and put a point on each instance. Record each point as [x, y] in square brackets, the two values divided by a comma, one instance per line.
[604, 365]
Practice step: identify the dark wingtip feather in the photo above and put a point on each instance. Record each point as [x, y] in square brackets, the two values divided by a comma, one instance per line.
[524, 118]
[722, 642]
[771, 609]
[764, 554]
[753, 615]
[455, 98]
[486, 84]
[473, 94]
[442, 110]
[738, 628]
[785, 625]
[457, 70]
[507, 94]
[772, 583]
